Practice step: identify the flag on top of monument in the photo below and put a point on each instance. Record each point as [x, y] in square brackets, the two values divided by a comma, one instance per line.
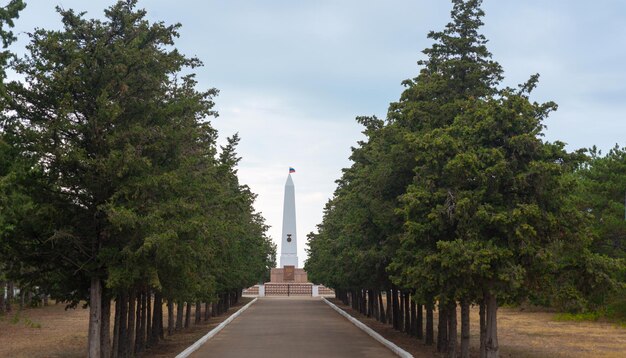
[291, 170]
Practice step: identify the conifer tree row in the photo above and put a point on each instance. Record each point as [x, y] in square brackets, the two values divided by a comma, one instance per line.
[457, 200]
[114, 191]
[8, 152]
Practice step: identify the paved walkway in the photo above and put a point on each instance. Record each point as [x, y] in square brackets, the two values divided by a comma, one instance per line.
[291, 327]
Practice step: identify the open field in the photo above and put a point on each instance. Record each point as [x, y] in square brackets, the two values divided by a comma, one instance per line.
[524, 334]
[61, 333]
[54, 332]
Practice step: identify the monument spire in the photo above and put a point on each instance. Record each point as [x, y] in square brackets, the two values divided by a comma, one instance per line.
[289, 240]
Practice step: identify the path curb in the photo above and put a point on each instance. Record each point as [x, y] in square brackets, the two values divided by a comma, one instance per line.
[194, 347]
[392, 346]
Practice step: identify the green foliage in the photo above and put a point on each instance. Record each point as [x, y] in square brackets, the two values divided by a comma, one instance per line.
[8, 13]
[30, 324]
[613, 311]
[16, 318]
[355, 238]
[111, 170]
[578, 317]
[456, 195]
[602, 194]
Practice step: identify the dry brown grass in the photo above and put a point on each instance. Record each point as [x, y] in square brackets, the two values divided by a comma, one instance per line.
[53, 331]
[525, 334]
[61, 333]
[537, 334]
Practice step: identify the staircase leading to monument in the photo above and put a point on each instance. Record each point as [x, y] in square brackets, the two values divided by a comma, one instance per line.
[288, 281]
[288, 289]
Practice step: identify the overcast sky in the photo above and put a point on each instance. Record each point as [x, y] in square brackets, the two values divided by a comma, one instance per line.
[293, 75]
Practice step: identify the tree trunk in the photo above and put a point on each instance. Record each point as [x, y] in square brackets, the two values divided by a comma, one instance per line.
[413, 318]
[139, 324]
[465, 328]
[157, 319]
[198, 312]
[122, 340]
[381, 308]
[3, 286]
[170, 317]
[389, 308]
[407, 313]
[483, 329]
[395, 308]
[95, 318]
[179, 315]
[188, 315]
[142, 334]
[138, 312]
[420, 322]
[161, 330]
[9, 301]
[374, 304]
[207, 311]
[359, 301]
[452, 330]
[400, 311]
[105, 328]
[148, 315]
[491, 339]
[352, 300]
[132, 314]
[213, 309]
[442, 329]
[430, 334]
[116, 328]
[22, 297]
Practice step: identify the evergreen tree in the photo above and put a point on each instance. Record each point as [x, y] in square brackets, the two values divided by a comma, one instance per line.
[131, 199]
[486, 203]
[8, 156]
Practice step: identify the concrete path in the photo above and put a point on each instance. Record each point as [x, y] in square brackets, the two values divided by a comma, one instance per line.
[291, 327]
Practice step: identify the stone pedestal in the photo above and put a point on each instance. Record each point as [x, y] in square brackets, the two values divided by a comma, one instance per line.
[288, 274]
[288, 281]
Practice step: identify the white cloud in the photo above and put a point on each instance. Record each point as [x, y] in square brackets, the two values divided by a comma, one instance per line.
[276, 135]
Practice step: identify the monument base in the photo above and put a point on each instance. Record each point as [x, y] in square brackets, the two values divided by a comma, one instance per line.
[288, 281]
[288, 274]
[288, 289]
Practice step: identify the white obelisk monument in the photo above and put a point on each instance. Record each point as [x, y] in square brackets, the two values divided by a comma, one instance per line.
[289, 242]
